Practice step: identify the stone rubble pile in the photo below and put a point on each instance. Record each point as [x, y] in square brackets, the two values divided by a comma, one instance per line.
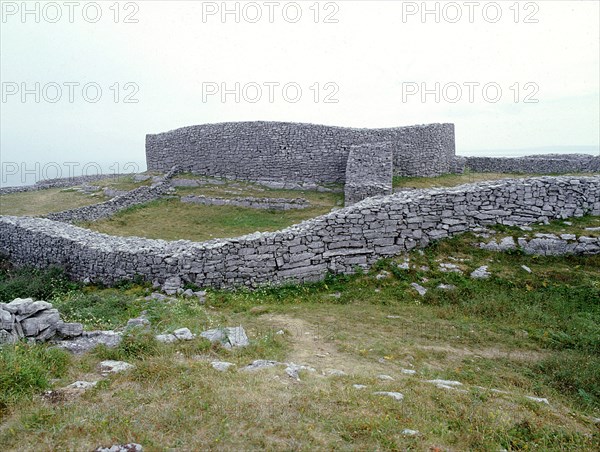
[547, 245]
[24, 318]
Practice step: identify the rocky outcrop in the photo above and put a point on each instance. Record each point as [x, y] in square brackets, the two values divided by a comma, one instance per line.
[24, 318]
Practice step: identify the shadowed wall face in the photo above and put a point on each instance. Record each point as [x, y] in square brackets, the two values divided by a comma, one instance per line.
[368, 172]
[293, 152]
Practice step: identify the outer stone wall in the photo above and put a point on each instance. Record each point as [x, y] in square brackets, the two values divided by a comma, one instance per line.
[294, 152]
[541, 164]
[338, 242]
[369, 172]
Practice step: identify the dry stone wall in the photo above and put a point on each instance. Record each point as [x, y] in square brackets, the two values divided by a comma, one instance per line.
[250, 202]
[63, 182]
[108, 208]
[295, 152]
[340, 241]
[368, 172]
[540, 164]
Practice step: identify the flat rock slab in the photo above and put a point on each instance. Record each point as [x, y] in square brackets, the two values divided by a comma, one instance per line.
[113, 367]
[260, 364]
[229, 337]
[221, 366]
[90, 339]
[481, 273]
[445, 382]
[129, 447]
[394, 395]
[83, 385]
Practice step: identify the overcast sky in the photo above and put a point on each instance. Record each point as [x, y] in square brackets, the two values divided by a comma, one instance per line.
[508, 76]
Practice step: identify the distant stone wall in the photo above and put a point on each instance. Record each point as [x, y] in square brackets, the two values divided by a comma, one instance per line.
[108, 208]
[250, 202]
[294, 152]
[369, 172]
[63, 182]
[358, 235]
[536, 164]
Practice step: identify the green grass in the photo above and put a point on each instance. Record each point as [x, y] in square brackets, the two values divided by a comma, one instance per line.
[42, 202]
[26, 370]
[29, 282]
[170, 219]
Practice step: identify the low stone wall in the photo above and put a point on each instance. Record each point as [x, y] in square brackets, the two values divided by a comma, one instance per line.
[108, 208]
[253, 203]
[536, 164]
[338, 242]
[64, 182]
[369, 172]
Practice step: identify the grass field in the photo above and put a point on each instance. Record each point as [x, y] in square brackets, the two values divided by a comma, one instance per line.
[527, 334]
[42, 202]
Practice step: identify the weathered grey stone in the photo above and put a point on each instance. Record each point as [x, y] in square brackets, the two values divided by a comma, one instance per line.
[129, 447]
[541, 164]
[82, 385]
[171, 285]
[419, 288]
[481, 273]
[385, 377]
[409, 432]
[260, 364]
[112, 367]
[138, 322]
[89, 340]
[184, 334]
[357, 386]
[69, 330]
[445, 382]
[446, 286]
[394, 395]
[295, 153]
[293, 370]
[250, 202]
[338, 242]
[221, 366]
[228, 337]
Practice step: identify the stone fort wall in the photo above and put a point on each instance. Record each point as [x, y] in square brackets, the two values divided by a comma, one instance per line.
[296, 152]
[357, 235]
[540, 164]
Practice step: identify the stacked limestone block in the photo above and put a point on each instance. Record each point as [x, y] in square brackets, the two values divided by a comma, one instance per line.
[295, 152]
[24, 318]
[369, 172]
[541, 164]
[338, 242]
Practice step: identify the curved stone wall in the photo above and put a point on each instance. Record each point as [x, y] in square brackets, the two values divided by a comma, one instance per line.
[358, 235]
[295, 152]
[540, 164]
